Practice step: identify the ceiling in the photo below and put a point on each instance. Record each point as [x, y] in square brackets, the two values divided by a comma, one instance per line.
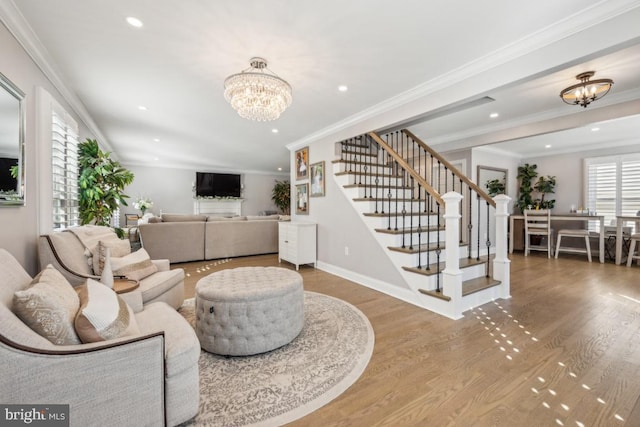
[425, 65]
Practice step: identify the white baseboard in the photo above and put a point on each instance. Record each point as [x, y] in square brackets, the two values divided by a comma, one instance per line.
[404, 294]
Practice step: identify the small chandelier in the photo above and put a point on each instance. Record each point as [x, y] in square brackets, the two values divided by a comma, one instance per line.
[587, 91]
[256, 94]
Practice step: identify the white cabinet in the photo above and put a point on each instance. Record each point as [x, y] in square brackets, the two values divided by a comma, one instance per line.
[297, 243]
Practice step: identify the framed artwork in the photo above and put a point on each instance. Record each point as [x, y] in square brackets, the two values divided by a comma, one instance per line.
[317, 179]
[302, 199]
[302, 163]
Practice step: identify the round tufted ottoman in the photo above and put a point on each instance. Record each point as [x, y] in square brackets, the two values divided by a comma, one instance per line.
[249, 310]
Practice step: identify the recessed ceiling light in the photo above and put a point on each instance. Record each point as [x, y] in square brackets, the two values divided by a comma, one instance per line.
[156, 139]
[547, 146]
[156, 158]
[343, 88]
[274, 130]
[142, 108]
[494, 115]
[595, 129]
[280, 169]
[134, 22]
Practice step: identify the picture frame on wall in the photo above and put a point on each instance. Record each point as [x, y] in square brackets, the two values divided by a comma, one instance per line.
[302, 199]
[302, 163]
[317, 179]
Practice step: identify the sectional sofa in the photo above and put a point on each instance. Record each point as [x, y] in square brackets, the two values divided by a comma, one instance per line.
[184, 238]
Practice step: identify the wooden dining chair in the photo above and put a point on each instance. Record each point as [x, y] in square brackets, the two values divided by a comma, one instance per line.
[537, 223]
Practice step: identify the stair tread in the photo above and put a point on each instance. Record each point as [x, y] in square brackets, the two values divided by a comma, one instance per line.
[433, 268]
[386, 199]
[342, 173]
[359, 154]
[405, 188]
[478, 284]
[351, 162]
[398, 214]
[410, 230]
[435, 294]
[422, 248]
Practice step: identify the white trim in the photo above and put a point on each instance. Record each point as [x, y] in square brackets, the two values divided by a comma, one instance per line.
[571, 25]
[404, 294]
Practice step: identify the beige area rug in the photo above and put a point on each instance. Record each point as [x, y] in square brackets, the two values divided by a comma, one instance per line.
[288, 383]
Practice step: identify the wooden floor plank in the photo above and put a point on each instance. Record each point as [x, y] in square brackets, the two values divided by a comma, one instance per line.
[564, 350]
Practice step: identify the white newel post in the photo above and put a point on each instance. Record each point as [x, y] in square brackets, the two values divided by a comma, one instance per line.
[501, 262]
[452, 275]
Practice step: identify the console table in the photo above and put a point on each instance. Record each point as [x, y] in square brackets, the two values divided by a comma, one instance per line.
[218, 207]
[566, 217]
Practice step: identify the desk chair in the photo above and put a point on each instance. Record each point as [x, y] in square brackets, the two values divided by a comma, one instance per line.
[537, 223]
[574, 233]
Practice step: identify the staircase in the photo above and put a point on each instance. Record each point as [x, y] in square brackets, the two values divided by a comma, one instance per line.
[431, 219]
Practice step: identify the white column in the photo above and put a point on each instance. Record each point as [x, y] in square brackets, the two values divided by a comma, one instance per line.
[501, 262]
[452, 275]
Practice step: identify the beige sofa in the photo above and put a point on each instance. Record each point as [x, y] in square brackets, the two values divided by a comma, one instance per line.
[66, 253]
[147, 379]
[183, 238]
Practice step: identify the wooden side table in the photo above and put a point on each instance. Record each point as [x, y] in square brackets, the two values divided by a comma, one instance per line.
[122, 286]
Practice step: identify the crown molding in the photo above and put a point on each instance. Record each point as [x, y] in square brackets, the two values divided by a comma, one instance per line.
[572, 24]
[24, 34]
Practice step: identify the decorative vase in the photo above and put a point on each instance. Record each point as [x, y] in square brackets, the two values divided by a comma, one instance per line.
[143, 210]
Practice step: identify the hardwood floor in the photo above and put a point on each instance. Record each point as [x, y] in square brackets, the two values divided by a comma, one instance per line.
[564, 350]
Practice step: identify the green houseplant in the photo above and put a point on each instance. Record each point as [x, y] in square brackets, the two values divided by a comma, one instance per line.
[545, 185]
[101, 183]
[526, 174]
[281, 196]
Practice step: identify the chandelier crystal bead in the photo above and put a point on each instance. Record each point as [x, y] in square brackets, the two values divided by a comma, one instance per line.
[587, 91]
[257, 93]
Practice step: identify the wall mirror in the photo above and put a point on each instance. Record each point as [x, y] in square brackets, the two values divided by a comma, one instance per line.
[492, 180]
[12, 161]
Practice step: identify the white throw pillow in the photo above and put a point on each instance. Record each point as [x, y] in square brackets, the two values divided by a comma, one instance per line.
[135, 266]
[103, 315]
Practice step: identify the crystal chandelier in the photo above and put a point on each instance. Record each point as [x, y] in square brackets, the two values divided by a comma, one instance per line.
[257, 93]
[587, 91]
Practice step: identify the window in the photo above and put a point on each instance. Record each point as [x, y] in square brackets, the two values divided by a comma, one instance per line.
[613, 186]
[64, 170]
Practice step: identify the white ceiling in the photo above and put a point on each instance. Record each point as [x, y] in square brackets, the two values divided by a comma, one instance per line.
[384, 51]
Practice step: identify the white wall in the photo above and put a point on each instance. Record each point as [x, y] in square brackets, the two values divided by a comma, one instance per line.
[18, 225]
[171, 190]
[568, 170]
[340, 226]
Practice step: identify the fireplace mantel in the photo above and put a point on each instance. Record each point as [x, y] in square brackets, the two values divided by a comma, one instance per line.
[218, 207]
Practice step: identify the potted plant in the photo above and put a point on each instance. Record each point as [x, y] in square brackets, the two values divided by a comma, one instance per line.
[101, 183]
[281, 196]
[545, 185]
[526, 175]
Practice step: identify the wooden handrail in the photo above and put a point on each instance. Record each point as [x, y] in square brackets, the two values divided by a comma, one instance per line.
[449, 166]
[403, 163]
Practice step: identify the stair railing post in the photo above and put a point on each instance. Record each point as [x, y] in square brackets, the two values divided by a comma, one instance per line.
[452, 275]
[501, 267]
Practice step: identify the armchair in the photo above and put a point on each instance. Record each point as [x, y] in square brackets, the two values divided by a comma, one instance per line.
[148, 379]
[67, 254]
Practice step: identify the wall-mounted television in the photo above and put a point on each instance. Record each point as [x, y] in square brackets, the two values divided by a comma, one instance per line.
[210, 184]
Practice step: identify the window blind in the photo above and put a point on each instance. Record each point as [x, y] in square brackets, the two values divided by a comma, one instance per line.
[64, 170]
[613, 187]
